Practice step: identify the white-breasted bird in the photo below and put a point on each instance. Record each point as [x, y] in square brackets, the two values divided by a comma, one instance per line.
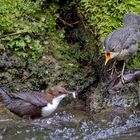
[34, 104]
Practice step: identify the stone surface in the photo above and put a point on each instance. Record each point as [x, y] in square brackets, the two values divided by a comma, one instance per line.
[104, 96]
[5, 114]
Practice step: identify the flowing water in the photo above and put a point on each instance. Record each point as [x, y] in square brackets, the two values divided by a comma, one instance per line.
[74, 125]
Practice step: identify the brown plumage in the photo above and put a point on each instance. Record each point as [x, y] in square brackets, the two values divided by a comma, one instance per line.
[34, 104]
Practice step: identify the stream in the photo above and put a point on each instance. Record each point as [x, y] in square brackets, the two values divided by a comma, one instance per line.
[74, 124]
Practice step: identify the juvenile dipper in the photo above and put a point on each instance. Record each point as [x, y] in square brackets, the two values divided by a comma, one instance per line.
[35, 104]
[123, 43]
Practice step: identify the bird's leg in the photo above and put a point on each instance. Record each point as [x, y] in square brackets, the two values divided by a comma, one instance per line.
[112, 66]
[122, 77]
[113, 69]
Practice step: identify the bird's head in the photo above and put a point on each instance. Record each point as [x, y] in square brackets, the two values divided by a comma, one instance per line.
[112, 47]
[110, 55]
[58, 92]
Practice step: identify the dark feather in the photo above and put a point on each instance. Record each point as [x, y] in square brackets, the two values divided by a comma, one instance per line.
[34, 98]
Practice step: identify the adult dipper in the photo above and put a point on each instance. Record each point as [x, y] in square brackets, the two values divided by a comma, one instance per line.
[123, 43]
[34, 104]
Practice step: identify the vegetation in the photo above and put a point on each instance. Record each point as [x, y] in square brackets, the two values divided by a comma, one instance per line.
[62, 38]
[32, 42]
[24, 26]
[105, 16]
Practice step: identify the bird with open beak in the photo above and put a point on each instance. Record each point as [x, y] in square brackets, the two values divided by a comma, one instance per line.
[123, 43]
[35, 104]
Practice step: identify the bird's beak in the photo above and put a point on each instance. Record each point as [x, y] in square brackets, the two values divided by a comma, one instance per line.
[107, 57]
[72, 93]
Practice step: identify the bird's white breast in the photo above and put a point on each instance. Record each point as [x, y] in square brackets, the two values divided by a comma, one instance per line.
[47, 110]
[50, 108]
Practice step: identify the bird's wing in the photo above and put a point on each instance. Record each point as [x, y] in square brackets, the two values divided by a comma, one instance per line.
[121, 38]
[138, 36]
[131, 40]
[34, 98]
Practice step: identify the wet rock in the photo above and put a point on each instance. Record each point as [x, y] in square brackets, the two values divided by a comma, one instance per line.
[95, 101]
[116, 94]
[128, 77]
[5, 114]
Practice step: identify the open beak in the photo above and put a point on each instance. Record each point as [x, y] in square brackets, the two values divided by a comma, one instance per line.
[72, 93]
[107, 57]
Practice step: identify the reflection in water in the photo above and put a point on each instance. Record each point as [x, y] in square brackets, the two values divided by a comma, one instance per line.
[73, 125]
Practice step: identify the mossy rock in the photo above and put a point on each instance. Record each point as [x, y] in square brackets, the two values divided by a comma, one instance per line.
[103, 98]
[5, 114]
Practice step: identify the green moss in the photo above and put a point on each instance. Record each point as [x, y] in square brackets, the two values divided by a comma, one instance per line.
[30, 31]
[67, 67]
[24, 26]
[134, 62]
[105, 16]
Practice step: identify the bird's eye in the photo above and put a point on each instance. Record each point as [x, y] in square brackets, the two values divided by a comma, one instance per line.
[112, 50]
[60, 92]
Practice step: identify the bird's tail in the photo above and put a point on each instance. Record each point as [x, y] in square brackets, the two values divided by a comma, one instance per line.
[5, 96]
[131, 20]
